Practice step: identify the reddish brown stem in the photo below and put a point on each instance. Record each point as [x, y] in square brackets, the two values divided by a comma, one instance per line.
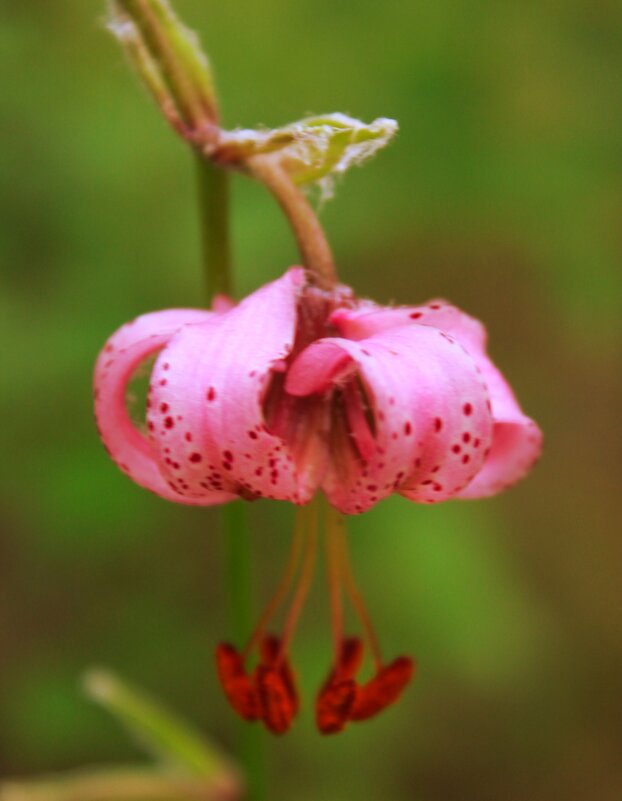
[312, 243]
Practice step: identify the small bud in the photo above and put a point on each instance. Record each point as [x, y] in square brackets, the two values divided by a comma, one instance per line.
[171, 63]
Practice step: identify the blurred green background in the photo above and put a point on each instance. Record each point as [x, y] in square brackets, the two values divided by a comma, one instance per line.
[503, 192]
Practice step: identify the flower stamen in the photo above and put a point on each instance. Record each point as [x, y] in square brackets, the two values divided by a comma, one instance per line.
[310, 514]
[283, 588]
[269, 694]
[352, 589]
[341, 699]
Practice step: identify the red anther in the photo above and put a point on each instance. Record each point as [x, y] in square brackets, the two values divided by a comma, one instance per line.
[237, 686]
[277, 706]
[384, 689]
[270, 648]
[335, 704]
[271, 656]
[350, 658]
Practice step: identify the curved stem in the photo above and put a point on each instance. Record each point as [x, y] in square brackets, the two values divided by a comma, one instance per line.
[314, 249]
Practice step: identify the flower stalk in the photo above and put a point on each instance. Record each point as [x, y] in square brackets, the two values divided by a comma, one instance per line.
[314, 249]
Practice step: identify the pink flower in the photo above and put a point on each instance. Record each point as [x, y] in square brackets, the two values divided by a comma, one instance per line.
[296, 390]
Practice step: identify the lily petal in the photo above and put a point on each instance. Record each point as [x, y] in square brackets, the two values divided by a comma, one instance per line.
[424, 395]
[118, 361]
[517, 440]
[208, 389]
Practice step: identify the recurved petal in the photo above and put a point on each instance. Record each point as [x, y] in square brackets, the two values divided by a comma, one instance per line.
[208, 390]
[425, 405]
[517, 440]
[369, 319]
[516, 444]
[117, 362]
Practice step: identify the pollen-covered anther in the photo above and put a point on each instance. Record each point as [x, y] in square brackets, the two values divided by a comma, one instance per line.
[341, 700]
[384, 689]
[237, 686]
[335, 704]
[276, 687]
[337, 698]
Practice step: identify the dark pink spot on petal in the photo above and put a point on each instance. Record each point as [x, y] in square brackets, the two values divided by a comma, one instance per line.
[467, 409]
[211, 394]
[195, 457]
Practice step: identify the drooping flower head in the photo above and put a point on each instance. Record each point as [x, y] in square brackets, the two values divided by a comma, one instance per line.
[297, 391]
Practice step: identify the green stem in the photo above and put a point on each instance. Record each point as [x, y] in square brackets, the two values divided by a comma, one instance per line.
[213, 188]
[213, 184]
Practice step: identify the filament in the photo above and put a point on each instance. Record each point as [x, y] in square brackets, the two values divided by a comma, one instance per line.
[309, 515]
[355, 595]
[284, 585]
[334, 530]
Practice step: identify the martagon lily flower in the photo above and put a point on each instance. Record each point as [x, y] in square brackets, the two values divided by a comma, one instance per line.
[297, 391]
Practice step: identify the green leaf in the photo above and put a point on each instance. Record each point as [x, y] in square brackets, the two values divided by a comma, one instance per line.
[164, 735]
[315, 149]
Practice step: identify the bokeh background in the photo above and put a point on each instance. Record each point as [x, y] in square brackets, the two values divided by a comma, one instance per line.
[503, 193]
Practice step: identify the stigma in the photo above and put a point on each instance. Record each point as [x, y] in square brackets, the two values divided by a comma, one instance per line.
[259, 681]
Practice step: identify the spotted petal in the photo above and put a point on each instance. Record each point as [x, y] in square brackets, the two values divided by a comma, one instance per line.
[517, 440]
[208, 389]
[116, 364]
[417, 414]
